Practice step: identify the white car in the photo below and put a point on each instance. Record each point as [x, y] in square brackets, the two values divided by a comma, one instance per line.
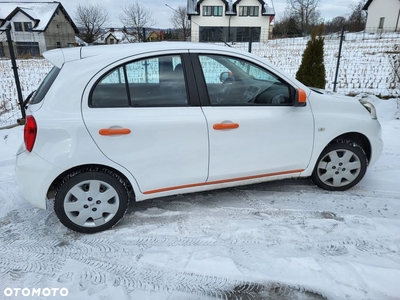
[119, 122]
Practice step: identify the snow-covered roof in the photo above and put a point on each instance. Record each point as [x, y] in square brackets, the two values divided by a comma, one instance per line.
[40, 12]
[120, 35]
[230, 7]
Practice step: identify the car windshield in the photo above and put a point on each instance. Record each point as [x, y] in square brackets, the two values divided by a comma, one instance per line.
[45, 86]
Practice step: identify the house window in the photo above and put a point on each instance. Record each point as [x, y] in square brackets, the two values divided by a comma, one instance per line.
[215, 11]
[17, 26]
[27, 48]
[381, 22]
[251, 11]
[27, 26]
[58, 45]
[112, 41]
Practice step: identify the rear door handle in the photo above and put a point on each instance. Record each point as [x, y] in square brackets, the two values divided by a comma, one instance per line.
[114, 131]
[222, 126]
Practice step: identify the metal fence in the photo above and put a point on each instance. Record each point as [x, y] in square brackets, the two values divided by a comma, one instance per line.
[369, 63]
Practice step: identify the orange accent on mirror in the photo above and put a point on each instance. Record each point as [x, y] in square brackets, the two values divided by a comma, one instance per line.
[114, 131]
[302, 96]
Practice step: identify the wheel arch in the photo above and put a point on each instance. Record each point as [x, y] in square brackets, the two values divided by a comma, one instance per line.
[95, 167]
[358, 138]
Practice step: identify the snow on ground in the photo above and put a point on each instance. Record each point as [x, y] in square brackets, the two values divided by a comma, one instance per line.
[277, 240]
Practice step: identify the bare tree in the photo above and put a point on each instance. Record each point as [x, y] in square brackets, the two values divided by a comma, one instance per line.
[335, 24]
[287, 26]
[180, 20]
[357, 18]
[137, 17]
[305, 12]
[90, 18]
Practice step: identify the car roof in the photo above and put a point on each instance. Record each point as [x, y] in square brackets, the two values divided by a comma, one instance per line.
[62, 55]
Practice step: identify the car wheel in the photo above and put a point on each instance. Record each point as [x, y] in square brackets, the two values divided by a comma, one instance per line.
[91, 201]
[340, 166]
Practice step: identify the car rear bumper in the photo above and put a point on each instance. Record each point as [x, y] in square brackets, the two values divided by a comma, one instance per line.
[34, 176]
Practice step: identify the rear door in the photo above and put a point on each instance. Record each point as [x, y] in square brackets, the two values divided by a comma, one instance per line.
[143, 116]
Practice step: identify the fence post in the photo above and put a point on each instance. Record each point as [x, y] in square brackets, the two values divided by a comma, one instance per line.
[15, 69]
[251, 38]
[338, 59]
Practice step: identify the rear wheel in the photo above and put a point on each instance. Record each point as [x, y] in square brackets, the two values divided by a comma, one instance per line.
[91, 201]
[340, 166]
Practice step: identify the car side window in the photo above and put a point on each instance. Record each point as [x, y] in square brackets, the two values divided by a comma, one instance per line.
[151, 82]
[236, 82]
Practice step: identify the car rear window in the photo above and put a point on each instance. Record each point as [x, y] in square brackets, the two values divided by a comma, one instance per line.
[45, 86]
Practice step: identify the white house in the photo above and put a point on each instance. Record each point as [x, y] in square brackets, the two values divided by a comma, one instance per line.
[36, 27]
[229, 20]
[383, 15]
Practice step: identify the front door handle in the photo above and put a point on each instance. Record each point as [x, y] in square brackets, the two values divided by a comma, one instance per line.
[222, 126]
[114, 131]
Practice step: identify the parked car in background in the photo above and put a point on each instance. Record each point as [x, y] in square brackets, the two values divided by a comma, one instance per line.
[139, 121]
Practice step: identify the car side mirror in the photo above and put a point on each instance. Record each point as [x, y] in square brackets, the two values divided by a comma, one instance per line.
[224, 76]
[300, 98]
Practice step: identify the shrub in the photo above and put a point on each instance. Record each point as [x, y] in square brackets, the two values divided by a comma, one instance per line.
[312, 68]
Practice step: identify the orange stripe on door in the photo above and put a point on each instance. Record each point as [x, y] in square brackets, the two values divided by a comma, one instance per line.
[220, 181]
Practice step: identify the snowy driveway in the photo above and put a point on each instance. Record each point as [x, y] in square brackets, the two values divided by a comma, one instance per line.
[280, 240]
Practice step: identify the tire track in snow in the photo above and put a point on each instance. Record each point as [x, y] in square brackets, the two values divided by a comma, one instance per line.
[150, 277]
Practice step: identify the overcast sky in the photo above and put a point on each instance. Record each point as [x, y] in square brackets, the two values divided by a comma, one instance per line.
[161, 13]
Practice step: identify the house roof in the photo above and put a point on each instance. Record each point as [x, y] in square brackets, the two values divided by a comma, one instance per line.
[120, 35]
[41, 13]
[230, 7]
[365, 7]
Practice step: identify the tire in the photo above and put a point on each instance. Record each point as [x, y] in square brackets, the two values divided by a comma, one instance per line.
[340, 166]
[91, 201]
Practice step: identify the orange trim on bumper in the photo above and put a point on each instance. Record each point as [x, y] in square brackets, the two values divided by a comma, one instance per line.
[220, 181]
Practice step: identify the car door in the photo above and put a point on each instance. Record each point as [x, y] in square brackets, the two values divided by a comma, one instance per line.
[141, 116]
[254, 128]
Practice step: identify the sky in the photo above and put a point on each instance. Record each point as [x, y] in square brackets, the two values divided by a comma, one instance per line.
[162, 13]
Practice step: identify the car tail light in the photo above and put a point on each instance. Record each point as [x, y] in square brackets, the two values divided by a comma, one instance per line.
[30, 131]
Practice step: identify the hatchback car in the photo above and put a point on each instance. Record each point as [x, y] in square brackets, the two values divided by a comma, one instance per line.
[119, 122]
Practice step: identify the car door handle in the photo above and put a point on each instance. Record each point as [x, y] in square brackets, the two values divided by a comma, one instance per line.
[114, 131]
[222, 126]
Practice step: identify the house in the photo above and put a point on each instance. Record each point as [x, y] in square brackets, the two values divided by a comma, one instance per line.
[382, 15]
[229, 20]
[156, 35]
[36, 27]
[115, 36]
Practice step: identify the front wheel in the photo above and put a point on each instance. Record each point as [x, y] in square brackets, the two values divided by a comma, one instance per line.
[340, 166]
[91, 201]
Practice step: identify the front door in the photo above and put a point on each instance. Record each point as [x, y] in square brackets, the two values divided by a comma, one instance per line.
[254, 129]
